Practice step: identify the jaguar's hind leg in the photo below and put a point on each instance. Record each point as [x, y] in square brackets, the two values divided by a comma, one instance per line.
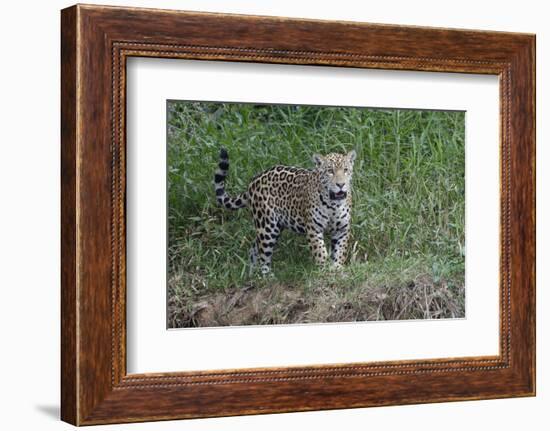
[254, 255]
[266, 239]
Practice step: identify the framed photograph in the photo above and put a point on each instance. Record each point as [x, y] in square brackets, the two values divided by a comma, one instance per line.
[264, 215]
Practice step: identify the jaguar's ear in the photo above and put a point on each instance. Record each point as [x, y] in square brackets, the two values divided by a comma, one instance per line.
[351, 156]
[318, 160]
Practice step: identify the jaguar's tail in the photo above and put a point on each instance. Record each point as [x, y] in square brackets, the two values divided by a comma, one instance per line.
[241, 200]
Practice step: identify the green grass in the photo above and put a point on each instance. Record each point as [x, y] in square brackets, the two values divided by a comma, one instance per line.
[407, 219]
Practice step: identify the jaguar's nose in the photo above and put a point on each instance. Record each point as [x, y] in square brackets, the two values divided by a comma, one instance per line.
[341, 185]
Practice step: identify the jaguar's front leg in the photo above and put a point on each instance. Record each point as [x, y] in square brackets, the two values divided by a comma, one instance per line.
[317, 246]
[339, 246]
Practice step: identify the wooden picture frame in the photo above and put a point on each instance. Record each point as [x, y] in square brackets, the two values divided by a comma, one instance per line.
[95, 43]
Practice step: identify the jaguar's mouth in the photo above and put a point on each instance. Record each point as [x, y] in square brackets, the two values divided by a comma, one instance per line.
[338, 196]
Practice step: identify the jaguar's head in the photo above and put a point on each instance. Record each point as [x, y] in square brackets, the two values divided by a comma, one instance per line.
[335, 172]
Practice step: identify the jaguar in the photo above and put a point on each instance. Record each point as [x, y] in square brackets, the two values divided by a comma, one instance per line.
[313, 202]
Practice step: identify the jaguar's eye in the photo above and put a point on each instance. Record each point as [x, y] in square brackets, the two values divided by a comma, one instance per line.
[346, 170]
[331, 171]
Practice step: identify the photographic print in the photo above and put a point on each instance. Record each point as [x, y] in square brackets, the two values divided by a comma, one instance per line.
[292, 215]
[296, 214]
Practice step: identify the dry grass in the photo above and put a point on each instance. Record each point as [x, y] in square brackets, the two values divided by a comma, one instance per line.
[326, 297]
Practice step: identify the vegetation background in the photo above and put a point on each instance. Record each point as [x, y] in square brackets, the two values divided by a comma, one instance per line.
[406, 258]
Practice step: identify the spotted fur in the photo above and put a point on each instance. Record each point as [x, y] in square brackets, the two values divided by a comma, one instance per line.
[310, 202]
